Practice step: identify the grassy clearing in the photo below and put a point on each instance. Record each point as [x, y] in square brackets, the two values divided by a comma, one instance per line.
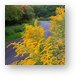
[13, 36]
[13, 32]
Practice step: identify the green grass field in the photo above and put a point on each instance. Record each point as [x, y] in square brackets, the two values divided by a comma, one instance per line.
[13, 32]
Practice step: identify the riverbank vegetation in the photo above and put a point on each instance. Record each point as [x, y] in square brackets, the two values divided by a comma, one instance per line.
[42, 50]
[18, 15]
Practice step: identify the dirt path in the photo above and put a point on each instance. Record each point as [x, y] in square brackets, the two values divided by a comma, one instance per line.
[10, 51]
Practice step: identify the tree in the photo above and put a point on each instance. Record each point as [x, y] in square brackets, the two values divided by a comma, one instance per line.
[28, 12]
[13, 13]
[18, 13]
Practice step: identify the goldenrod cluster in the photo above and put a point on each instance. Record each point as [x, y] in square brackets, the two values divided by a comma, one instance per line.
[53, 52]
[58, 31]
[41, 50]
[58, 23]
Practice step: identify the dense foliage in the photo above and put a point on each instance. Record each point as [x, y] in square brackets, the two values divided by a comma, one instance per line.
[18, 14]
[13, 13]
[45, 10]
[23, 13]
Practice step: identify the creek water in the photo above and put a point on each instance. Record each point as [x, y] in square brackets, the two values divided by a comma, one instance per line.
[46, 26]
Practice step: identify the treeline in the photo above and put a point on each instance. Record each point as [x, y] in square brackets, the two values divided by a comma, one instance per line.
[23, 13]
